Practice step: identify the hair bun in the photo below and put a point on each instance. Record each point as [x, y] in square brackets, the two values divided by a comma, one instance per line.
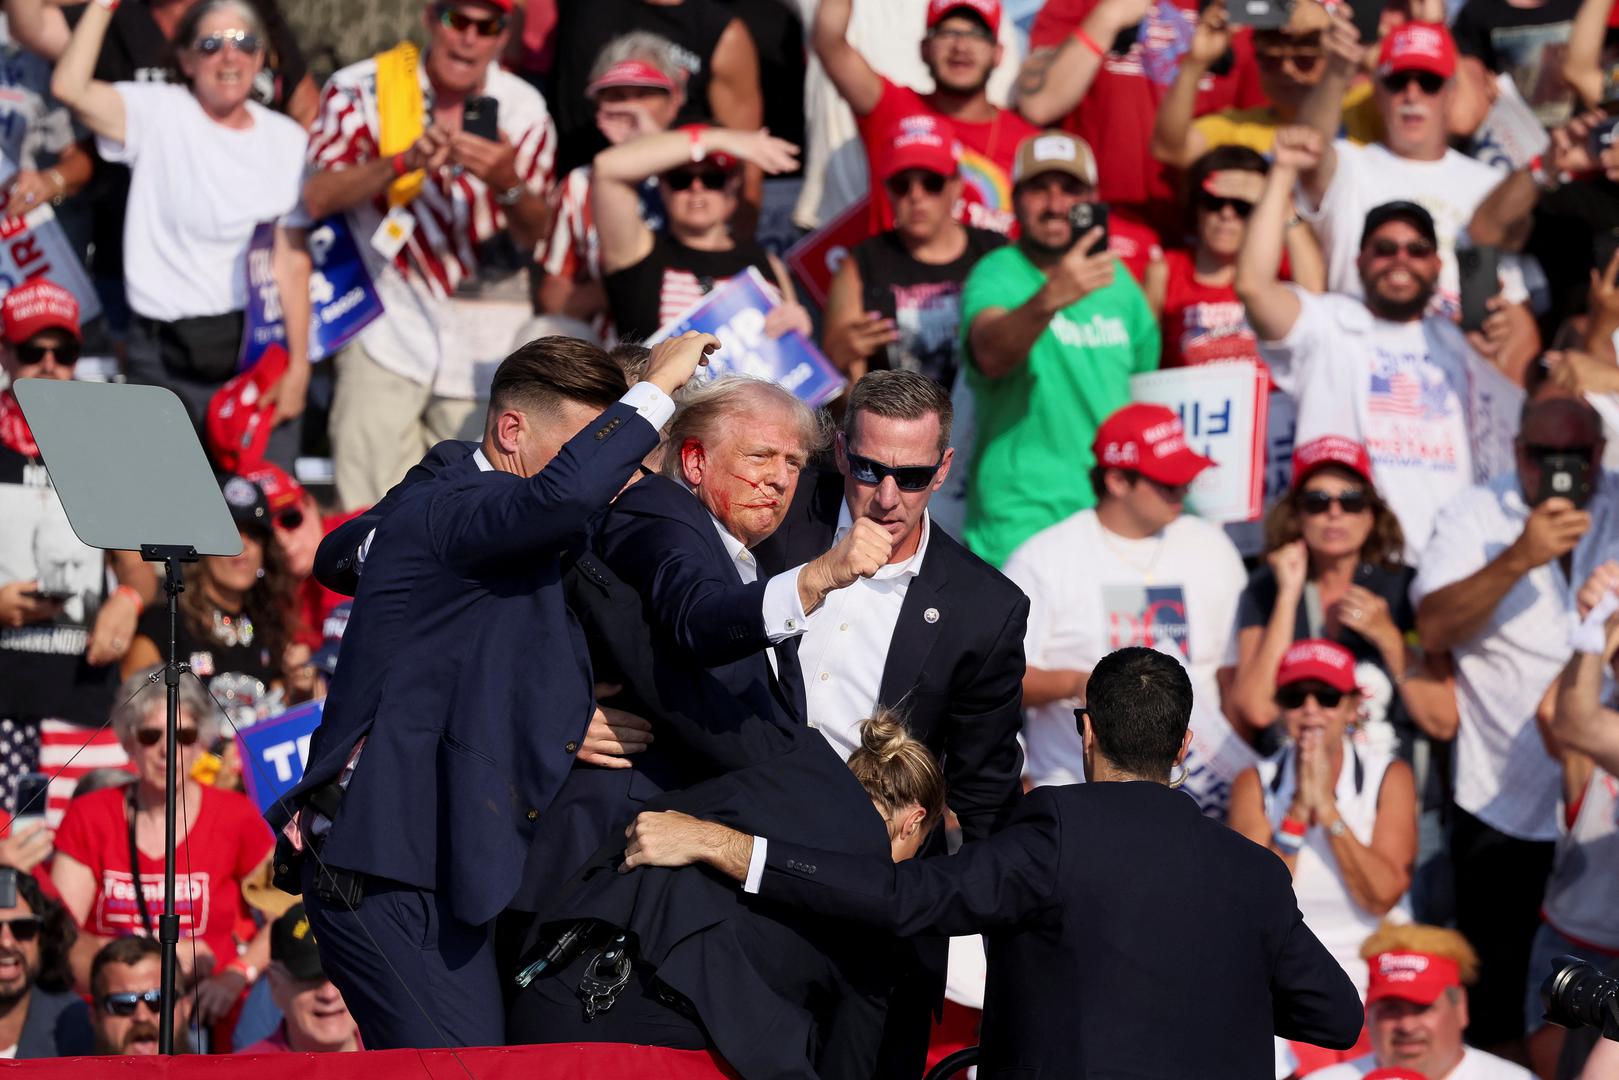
[884, 735]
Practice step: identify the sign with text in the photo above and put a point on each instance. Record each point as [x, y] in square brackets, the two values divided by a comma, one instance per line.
[814, 259]
[34, 246]
[274, 752]
[735, 313]
[342, 299]
[1223, 408]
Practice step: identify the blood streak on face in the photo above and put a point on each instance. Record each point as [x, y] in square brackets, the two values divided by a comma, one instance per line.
[746, 476]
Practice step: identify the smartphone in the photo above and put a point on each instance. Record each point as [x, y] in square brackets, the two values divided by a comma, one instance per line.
[1366, 19]
[1564, 476]
[50, 594]
[1602, 136]
[1480, 271]
[1126, 40]
[28, 807]
[480, 116]
[1260, 14]
[1086, 216]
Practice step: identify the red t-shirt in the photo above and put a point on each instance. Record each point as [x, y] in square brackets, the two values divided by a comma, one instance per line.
[1116, 115]
[1203, 324]
[227, 842]
[1133, 242]
[986, 150]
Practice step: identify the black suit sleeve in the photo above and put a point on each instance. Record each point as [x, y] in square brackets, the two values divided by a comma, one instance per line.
[983, 765]
[1313, 1001]
[996, 882]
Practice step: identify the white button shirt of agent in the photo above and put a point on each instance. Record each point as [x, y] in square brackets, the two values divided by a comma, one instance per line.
[845, 648]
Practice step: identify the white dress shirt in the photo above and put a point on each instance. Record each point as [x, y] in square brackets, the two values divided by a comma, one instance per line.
[845, 648]
[783, 611]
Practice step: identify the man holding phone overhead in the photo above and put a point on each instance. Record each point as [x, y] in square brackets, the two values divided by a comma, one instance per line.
[431, 158]
[1496, 589]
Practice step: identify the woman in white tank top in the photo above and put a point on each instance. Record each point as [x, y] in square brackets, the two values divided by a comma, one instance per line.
[1341, 815]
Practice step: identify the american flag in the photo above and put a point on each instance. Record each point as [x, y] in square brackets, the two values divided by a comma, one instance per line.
[59, 741]
[1398, 394]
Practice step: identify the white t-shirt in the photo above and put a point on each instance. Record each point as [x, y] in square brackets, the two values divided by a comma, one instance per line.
[1504, 776]
[1423, 403]
[1475, 1065]
[196, 192]
[1368, 176]
[1091, 592]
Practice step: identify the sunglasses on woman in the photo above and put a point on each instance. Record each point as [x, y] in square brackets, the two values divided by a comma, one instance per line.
[151, 736]
[1384, 248]
[124, 1004]
[243, 41]
[460, 22]
[904, 183]
[1294, 697]
[66, 354]
[1396, 83]
[683, 179]
[1214, 204]
[1352, 501]
[23, 927]
[906, 477]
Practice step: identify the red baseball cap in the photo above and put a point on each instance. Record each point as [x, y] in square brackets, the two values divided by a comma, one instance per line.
[237, 426]
[920, 142]
[36, 306]
[1411, 976]
[1418, 47]
[988, 10]
[1148, 439]
[1331, 450]
[280, 489]
[631, 73]
[1318, 660]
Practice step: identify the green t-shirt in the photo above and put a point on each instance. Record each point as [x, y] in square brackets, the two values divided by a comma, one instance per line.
[1032, 455]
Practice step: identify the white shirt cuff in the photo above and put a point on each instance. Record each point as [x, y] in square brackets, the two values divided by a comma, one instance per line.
[756, 866]
[363, 552]
[651, 402]
[783, 611]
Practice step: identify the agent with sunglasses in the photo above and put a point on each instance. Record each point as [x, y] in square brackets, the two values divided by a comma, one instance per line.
[1341, 814]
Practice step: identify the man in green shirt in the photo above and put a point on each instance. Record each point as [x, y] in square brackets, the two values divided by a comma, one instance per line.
[1053, 333]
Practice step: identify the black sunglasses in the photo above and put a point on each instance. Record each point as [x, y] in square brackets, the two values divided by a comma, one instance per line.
[1396, 83]
[906, 477]
[1294, 697]
[1384, 248]
[243, 41]
[67, 353]
[1352, 501]
[1213, 204]
[290, 518]
[682, 179]
[455, 20]
[23, 927]
[151, 736]
[903, 184]
[124, 1004]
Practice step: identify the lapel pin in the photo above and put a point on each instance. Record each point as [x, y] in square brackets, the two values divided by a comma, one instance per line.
[931, 615]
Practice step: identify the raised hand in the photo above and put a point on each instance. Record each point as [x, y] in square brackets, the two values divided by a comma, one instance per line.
[674, 360]
[1079, 273]
[1298, 147]
[1291, 565]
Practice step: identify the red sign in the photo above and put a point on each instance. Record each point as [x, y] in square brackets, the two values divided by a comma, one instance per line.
[817, 257]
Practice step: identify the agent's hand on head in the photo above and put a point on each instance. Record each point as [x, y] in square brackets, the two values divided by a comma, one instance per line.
[673, 361]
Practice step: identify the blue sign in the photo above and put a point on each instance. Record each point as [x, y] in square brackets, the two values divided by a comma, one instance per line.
[735, 313]
[342, 299]
[274, 752]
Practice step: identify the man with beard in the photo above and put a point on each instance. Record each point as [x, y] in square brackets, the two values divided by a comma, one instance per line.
[127, 998]
[1052, 333]
[960, 52]
[40, 1016]
[1379, 370]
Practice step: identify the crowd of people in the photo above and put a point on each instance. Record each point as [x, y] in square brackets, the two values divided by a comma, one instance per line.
[765, 615]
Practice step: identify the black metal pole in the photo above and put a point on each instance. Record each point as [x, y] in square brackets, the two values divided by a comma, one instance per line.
[168, 924]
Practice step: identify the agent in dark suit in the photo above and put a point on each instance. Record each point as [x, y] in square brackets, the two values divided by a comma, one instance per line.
[937, 631]
[1128, 935]
[462, 693]
[775, 992]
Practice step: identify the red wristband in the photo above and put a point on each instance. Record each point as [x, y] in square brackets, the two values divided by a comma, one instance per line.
[1089, 42]
[398, 164]
[133, 594]
[1294, 827]
[695, 132]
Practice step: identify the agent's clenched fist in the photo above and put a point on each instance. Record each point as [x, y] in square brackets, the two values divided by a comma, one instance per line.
[864, 550]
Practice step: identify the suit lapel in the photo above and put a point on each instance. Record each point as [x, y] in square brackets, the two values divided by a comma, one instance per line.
[923, 614]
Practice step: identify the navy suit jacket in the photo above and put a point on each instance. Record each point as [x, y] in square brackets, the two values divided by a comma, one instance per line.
[464, 673]
[1127, 936]
[957, 677]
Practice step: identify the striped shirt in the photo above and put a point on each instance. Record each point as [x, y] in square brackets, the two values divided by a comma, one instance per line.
[454, 215]
[574, 249]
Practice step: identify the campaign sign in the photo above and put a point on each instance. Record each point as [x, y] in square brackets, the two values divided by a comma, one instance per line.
[274, 752]
[814, 259]
[735, 313]
[342, 299]
[34, 246]
[1223, 407]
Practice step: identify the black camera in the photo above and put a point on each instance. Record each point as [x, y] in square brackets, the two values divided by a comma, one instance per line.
[1577, 995]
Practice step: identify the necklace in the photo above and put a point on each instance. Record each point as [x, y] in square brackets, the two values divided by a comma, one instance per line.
[233, 630]
[1145, 570]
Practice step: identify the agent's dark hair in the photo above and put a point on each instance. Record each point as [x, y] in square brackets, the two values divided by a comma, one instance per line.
[547, 372]
[1228, 158]
[56, 934]
[898, 395]
[127, 951]
[1140, 703]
